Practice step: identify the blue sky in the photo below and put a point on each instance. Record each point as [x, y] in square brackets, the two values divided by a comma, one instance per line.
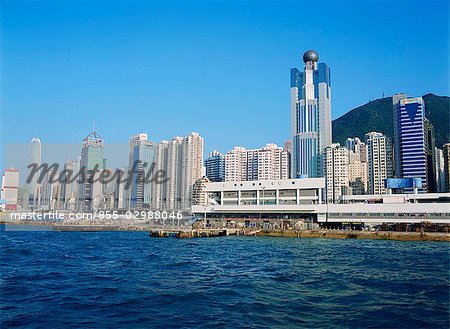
[217, 68]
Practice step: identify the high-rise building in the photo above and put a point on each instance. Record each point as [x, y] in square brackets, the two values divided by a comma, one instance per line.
[446, 154]
[10, 189]
[350, 143]
[174, 170]
[215, 167]
[310, 116]
[67, 186]
[56, 200]
[272, 163]
[357, 165]
[236, 164]
[198, 194]
[358, 148]
[34, 158]
[48, 192]
[379, 157]
[159, 191]
[192, 166]
[410, 138]
[430, 146]
[357, 173]
[134, 140]
[269, 162]
[181, 161]
[22, 198]
[119, 188]
[288, 149]
[141, 187]
[108, 180]
[440, 174]
[335, 168]
[92, 163]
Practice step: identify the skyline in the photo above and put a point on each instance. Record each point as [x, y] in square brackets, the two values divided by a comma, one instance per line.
[72, 65]
[237, 164]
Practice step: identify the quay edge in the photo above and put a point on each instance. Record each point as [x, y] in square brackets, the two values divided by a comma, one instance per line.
[374, 235]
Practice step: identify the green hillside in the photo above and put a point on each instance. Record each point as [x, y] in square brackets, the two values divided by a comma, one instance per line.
[377, 116]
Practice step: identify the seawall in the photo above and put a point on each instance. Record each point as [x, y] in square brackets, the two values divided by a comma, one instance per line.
[374, 235]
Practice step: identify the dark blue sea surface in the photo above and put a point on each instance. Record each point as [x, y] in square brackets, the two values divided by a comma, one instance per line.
[129, 280]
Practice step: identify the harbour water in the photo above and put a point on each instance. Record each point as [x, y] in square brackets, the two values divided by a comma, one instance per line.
[126, 279]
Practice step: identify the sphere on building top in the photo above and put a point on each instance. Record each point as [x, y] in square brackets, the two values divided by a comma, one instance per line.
[310, 56]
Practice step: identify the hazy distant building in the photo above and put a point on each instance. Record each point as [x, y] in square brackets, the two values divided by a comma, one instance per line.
[134, 140]
[141, 187]
[68, 184]
[379, 156]
[410, 138]
[34, 158]
[310, 116]
[119, 188]
[159, 191]
[109, 184]
[215, 167]
[335, 167]
[91, 160]
[10, 189]
[22, 198]
[48, 192]
[266, 163]
[174, 170]
[56, 200]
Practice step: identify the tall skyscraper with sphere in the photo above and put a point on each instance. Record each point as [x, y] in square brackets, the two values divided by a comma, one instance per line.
[310, 116]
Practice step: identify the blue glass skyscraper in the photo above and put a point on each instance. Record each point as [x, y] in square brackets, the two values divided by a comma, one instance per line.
[409, 135]
[310, 116]
[215, 167]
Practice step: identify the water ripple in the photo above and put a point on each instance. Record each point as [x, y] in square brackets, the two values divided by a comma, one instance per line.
[126, 279]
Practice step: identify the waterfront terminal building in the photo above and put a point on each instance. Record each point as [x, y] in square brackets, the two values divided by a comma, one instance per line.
[294, 202]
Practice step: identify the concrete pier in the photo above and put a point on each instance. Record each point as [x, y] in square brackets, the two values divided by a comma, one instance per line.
[193, 233]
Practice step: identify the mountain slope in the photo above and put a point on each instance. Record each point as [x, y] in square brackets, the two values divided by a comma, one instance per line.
[377, 116]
